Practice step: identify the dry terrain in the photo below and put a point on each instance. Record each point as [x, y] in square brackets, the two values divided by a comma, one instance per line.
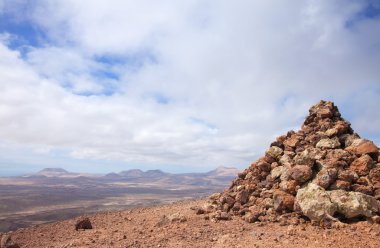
[54, 194]
[146, 227]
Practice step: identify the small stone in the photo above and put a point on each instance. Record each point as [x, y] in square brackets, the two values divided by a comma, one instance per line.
[293, 141]
[289, 186]
[282, 201]
[348, 175]
[362, 165]
[275, 152]
[242, 196]
[171, 218]
[215, 196]
[326, 177]
[340, 184]
[300, 173]
[374, 175]
[277, 172]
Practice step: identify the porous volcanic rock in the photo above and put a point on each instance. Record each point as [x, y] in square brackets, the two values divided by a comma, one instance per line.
[323, 171]
[83, 223]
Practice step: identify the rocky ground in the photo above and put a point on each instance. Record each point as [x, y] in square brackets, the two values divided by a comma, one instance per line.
[317, 187]
[181, 227]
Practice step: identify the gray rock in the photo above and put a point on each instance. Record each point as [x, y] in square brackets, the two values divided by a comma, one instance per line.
[275, 152]
[277, 172]
[354, 204]
[171, 218]
[329, 143]
[315, 202]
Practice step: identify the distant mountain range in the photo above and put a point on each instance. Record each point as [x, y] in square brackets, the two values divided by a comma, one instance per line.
[54, 193]
[138, 176]
[59, 172]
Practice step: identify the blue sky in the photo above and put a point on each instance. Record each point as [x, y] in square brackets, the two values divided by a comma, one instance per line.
[104, 86]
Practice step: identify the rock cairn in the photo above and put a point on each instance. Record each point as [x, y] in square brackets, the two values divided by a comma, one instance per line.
[324, 172]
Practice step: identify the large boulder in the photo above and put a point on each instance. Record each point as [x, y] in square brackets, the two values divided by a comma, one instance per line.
[354, 204]
[315, 202]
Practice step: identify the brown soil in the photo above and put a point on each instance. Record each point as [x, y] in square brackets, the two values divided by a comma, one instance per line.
[141, 228]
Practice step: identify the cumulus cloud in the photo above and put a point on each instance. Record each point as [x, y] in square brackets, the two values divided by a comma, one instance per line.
[189, 84]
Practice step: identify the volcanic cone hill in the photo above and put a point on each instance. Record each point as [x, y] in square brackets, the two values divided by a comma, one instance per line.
[324, 172]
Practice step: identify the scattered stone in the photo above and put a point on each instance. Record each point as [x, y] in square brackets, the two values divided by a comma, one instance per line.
[7, 242]
[83, 223]
[171, 218]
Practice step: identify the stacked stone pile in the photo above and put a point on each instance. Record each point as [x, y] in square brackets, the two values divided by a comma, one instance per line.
[325, 171]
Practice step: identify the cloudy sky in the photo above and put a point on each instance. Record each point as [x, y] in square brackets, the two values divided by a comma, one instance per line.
[178, 85]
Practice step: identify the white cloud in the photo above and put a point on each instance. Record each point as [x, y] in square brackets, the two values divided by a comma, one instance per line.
[233, 75]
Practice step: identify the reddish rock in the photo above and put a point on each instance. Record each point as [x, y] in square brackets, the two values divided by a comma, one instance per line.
[264, 166]
[300, 173]
[374, 175]
[362, 165]
[293, 141]
[326, 177]
[340, 184]
[289, 186]
[242, 196]
[347, 175]
[365, 189]
[362, 146]
[283, 201]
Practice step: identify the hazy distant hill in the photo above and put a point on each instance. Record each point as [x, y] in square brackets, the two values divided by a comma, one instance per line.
[217, 176]
[54, 193]
[59, 172]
